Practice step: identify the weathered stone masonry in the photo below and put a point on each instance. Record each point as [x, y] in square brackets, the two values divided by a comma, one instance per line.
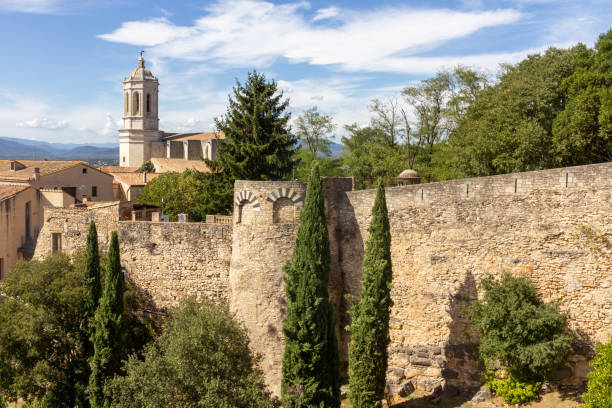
[554, 226]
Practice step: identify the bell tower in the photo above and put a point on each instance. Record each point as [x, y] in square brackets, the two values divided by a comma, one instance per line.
[140, 138]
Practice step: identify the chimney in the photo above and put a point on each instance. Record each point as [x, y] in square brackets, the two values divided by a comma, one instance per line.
[13, 165]
[144, 177]
[36, 174]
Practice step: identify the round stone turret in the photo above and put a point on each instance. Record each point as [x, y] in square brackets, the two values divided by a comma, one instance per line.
[408, 177]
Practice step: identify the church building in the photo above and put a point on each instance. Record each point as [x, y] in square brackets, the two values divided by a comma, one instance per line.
[140, 140]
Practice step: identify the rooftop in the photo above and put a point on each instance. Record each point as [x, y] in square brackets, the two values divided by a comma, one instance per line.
[163, 165]
[9, 190]
[194, 136]
[23, 170]
[118, 169]
[134, 178]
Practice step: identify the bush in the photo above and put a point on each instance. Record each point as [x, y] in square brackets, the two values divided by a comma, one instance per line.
[513, 391]
[201, 359]
[528, 337]
[599, 393]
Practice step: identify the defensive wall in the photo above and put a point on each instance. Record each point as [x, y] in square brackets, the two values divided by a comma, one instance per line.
[167, 261]
[554, 226]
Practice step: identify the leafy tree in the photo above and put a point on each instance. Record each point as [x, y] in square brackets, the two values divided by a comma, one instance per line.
[201, 359]
[582, 133]
[42, 352]
[314, 129]
[370, 315]
[391, 118]
[108, 326]
[509, 126]
[311, 376]
[147, 167]
[191, 192]
[599, 393]
[528, 337]
[257, 144]
[366, 159]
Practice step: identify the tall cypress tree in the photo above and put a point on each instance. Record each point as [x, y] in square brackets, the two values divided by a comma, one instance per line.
[311, 376]
[106, 360]
[370, 315]
[257, 144]
[92, 285]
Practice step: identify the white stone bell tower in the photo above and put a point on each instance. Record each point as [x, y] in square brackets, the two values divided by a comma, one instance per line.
[140, 138]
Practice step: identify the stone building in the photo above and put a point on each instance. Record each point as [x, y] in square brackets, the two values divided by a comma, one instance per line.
[28, 186]
[141, 140]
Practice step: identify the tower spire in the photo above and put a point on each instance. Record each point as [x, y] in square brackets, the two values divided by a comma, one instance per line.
[141, 63]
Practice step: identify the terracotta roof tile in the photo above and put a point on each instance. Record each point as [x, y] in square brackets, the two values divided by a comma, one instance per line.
[134, 178]
[9, 190]
[26, 172]
[163, 165]
[118, 169]
[194, 136]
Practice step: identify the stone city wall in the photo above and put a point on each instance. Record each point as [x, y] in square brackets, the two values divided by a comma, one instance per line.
[553, 226]
[167, 260]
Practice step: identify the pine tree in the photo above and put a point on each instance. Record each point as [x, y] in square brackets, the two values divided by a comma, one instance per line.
[108, 322]
[370, 315]
[310, 368]
[257, 144]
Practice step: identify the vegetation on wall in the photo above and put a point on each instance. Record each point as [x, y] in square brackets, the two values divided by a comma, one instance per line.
[202, 358]
[527, 337]
[599, 387]
[310, 367]
[370, 315]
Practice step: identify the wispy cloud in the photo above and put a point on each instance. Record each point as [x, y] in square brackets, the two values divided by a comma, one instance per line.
[43, 123]
[247, 33]
[50, 6]
[325, 13]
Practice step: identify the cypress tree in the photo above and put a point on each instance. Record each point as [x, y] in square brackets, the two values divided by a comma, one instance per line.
[310, 368]
[257, 144]
[370, 315]
[92, 286]
[106, 340]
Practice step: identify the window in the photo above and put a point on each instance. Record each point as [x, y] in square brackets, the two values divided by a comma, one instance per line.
[126, 103]
[84, 171]
[148, 103]
[94, 191]
[56, 241]
[1, 268]
[27, 220]
[136, 103]
[124, 159]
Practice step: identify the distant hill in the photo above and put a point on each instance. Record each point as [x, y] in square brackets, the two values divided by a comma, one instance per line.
[13, 148]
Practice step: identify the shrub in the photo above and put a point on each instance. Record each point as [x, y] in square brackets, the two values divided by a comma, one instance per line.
[528, 337]
[202, 359]
[599, 393]
[513, 391]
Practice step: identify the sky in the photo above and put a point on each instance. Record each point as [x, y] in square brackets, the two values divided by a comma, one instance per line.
[63, 61]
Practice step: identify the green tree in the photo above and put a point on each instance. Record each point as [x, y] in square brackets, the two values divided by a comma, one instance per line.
[92, 285]
[310, 367]
[509, 126]
[370, 315]
[147, 167]
[191, 192]
[42, 354]
[599, 392]
[201, 359]
[108, 329]
[527, 336]
[366, 159]
[257, 143]
[314, 130]
[582, 133]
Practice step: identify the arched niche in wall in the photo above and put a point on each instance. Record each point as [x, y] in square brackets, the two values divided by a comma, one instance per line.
[285, 202]
[246, 203]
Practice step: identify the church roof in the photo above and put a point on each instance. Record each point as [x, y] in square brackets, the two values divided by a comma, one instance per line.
[193, 136]
[140, 73]
[163, 165]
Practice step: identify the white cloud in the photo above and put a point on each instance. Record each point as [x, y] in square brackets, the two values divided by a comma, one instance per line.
[30, 6]
[148, 33]
[246, 33]
[44, 123]
[326, 13]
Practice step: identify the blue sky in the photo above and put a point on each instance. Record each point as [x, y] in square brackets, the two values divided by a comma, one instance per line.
[63, 62]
